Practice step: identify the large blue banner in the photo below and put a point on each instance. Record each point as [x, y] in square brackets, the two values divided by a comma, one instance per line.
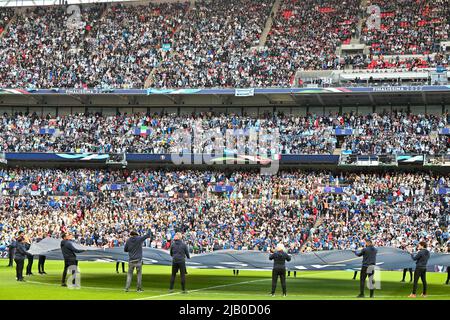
[329, 189]
[344, 132]
[387, 259]
[444, 190]
[167, 158]
[445, 131]
[309, 159]
[42, 156]
[223, 188]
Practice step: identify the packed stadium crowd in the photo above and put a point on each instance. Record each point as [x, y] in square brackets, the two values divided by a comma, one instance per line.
[383, 133]
[5, 16]
[294, 207]
[408, 27]
[212, 44]
[38, 50]
[113, 47]
[362, 61]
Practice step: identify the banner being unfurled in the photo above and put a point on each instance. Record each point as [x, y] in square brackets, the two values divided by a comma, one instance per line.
[387, 258]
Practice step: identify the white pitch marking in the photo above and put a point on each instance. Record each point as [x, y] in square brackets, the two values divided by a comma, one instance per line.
[207, 288]
[215, 287]
[82, 287]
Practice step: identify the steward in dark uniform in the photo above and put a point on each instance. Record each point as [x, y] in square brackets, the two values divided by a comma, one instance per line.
[179, 252]
[421, 259]
[70, 259]
[369, 254]
[19, 258]
[279, 268]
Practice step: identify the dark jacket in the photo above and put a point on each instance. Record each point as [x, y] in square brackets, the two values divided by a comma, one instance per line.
[179, 251]
[421, 258]
[68, 250]
[134, 246]
[369, 255]
[12, 245]
[21, 251]
[279, 259]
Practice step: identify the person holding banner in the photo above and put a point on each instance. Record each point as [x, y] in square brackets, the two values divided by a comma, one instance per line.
[179, 252]
[279, 258]
[369, 254]
[69, 254]
[134, 248]
[19, 258]
[421, 259]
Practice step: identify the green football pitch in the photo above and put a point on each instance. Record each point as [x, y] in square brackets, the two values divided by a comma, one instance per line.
[99, 280]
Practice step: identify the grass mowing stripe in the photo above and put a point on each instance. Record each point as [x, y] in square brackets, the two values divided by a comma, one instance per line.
[82, 287]
[103, 284]
[213, 287]
[315, 295]
[207, 288]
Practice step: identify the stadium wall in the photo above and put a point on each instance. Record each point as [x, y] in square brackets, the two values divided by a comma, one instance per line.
[136, 161]
[240, 110]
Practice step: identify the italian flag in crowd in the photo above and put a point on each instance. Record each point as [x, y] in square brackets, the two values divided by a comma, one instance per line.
[142, 131]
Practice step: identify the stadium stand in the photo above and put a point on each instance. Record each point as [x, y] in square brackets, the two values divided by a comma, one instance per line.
[385, 133]
[391, 208]
[217, 44]
[214, 43]
[408, 27]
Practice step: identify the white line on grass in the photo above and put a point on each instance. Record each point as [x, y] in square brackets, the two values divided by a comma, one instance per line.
[239, 294]
[219, 286]
[82, 287]
[207, 288]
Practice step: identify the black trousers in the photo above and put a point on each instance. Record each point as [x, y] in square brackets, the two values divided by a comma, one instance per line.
[117, 266]
[29, 265]
[362, 280]
[289, 273]
[178, 266]
[235, 272]
[448, 275]
[355, 274]
[41, 264]
[279, 273]
[11, 257]
[422, 274]
[67, 264]
[19, 268]
[410, 274]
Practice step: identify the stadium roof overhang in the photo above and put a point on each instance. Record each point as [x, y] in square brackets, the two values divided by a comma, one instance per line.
[276, 97]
